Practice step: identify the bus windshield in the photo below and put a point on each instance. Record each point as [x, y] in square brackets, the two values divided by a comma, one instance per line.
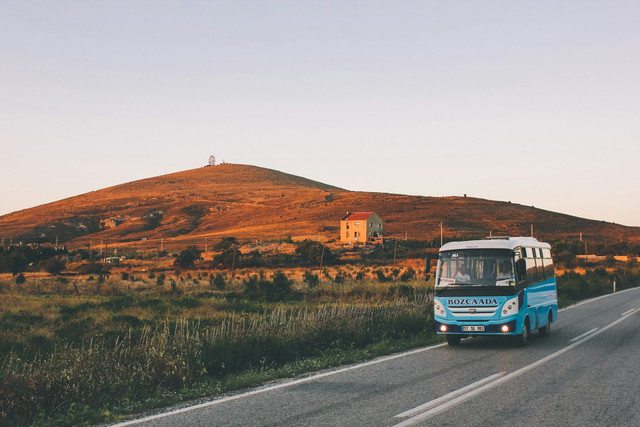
[475, 267]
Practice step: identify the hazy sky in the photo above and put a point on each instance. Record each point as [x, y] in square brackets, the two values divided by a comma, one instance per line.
[536, 102]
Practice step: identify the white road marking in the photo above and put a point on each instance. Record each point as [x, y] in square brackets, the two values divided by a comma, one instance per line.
[277, 386]
[627, 312]
[446, 397]
[447, 405]
[583, 335]
[596, 299]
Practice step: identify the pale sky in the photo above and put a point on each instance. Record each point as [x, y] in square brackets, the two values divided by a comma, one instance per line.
[534, 102]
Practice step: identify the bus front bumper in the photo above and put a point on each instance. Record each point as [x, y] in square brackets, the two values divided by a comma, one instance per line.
[473, 328]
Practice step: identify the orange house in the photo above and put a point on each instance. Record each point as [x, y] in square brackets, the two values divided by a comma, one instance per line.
[361, 227]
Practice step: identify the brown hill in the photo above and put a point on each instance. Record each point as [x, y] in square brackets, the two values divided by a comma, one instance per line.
[253, 203]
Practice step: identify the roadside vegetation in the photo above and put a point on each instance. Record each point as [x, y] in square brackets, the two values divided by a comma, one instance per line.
[81, 344]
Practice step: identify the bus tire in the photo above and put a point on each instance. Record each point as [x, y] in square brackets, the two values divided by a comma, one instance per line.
[453, 340]
[523, 339]
[546, 329]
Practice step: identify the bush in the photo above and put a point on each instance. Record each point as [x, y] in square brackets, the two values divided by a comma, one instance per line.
[187, 257]
[407, 275]
[218, 281]
[381, 277]
[55, 265]
[312, 252]
[20, 279]
[160, 279]
[278, 289]
[312, 280]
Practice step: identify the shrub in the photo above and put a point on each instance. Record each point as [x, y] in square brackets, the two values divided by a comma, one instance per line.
[219, 281]
[20, 279]
[380, 274]
[280, 287]
[160, 279]
[187, 257]
[407, 275]
[310, 279]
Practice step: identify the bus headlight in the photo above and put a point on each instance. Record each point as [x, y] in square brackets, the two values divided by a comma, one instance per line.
[504, 328]
[443, 328]
[438, 308]
[510, 307]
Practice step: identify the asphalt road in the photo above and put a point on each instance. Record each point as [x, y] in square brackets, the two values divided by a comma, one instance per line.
[585, 373]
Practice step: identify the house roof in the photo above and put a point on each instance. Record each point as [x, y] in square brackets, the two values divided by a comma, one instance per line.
[356, 216]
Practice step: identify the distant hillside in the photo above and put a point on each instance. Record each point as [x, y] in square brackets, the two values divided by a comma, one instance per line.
[253, 203]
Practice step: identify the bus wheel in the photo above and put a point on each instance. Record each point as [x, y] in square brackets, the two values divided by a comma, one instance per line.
[523, 338]
[546, 329]
[453, 340]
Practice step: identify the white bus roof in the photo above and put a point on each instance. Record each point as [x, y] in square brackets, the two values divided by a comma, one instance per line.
[496, 243]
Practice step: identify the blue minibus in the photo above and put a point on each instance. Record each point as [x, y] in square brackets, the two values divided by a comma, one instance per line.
[498, 286]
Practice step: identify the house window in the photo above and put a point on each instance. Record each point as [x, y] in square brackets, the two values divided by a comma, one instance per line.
[347, 235]
[370, 224]
[347, 225]
[356, 223]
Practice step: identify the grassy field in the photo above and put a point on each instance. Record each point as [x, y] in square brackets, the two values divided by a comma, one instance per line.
[89, 350]
[82, 349]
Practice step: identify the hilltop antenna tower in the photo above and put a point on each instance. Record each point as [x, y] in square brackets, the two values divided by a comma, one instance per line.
[212, 160]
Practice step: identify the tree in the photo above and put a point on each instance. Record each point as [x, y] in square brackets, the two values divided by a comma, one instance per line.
[187, 257]
[313, 252]
[228, 258]
[55, 265]
[17, 262]
[226, 243]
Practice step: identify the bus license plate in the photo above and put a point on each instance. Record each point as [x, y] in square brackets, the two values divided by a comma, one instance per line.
[474, 328]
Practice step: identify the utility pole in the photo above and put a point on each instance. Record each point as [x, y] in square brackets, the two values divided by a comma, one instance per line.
[104, 262]
[321, 259]
[395, 247]
[531, 230]
[586, 252]
[440, 234]
[233, 262]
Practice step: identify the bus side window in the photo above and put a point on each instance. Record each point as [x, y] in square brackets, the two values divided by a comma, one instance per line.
[532, 269]
[548, 264]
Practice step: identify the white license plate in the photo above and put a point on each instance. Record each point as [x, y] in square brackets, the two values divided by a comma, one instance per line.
[474, 328]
